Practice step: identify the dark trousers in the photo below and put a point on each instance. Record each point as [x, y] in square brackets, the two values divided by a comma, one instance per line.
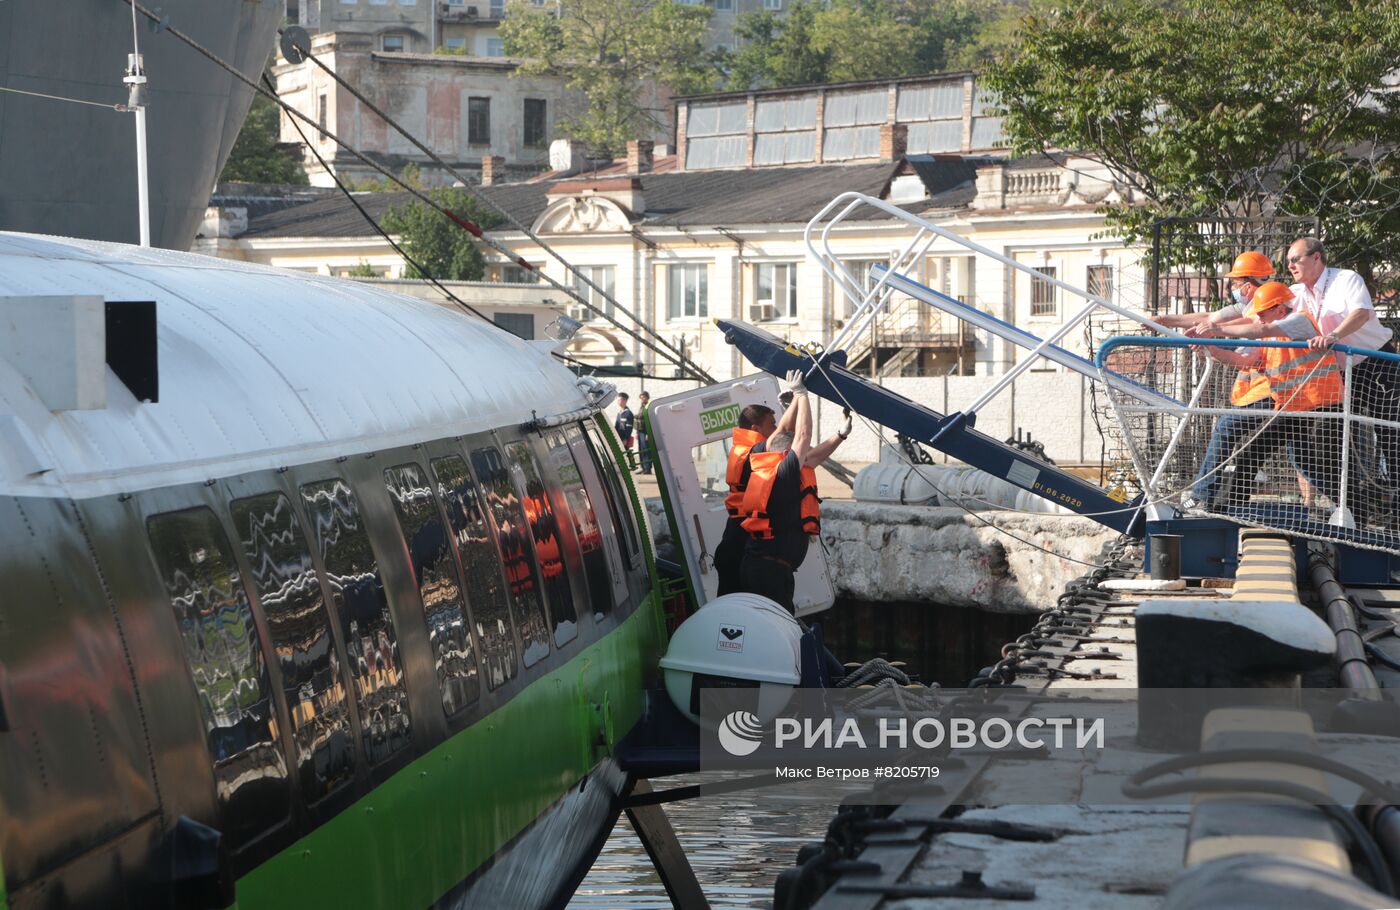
[1316, 446]
[729, 559]
[644, 452]
[769, 578]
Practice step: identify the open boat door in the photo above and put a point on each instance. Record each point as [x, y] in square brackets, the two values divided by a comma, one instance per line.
[692, 432]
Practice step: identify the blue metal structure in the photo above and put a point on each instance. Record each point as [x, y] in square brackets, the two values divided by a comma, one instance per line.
[955, 434]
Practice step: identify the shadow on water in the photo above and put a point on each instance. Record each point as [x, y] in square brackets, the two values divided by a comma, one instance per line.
[739, 843]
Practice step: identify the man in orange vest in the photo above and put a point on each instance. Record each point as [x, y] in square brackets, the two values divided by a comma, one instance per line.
[1248, 272]
[756, 423]
[780, 505]
[1275, 380]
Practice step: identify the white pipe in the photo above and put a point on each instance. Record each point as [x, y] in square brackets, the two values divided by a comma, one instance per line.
[143, 184]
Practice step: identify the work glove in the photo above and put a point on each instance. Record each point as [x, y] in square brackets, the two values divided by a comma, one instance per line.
[794, 383]
[846, 424]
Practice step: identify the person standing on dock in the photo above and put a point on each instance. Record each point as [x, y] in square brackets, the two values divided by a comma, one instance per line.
[624, 425]
[643, 449]
[781, 507]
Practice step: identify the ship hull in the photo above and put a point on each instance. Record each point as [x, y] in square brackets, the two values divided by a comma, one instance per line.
[70, 169]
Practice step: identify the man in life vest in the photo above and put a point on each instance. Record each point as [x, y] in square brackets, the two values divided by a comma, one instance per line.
[1273, 381]
[782, 512]
[756, 423]
[1250, 270]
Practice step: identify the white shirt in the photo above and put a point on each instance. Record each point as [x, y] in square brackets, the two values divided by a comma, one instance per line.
[1337, 293]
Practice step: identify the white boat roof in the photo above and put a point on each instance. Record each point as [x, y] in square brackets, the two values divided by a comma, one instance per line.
[259, 368]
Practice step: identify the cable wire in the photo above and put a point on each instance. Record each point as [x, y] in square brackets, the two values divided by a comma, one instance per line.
[119, 108]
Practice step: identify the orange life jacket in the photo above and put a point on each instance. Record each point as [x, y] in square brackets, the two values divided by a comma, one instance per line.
[764, 471]
[744, 441]
[1298, 379]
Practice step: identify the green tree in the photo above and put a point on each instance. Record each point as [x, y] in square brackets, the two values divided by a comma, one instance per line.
[842, 40]
[440, 246]
[1213, 108]
[362, 269]
[610, 50]
[257, 157]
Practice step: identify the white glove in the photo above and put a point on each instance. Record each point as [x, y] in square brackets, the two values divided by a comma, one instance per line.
[794, 383]
[846, 426]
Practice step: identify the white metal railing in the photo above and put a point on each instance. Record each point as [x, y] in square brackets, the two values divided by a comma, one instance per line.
[1330, 472]
[869, 299]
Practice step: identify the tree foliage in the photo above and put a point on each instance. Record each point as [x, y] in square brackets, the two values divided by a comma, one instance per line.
[257, 157]
[440, 246]
[610, 50]
[844, 40]
[1212, 108]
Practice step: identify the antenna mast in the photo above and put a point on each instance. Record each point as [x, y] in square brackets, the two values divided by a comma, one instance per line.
[136, 103]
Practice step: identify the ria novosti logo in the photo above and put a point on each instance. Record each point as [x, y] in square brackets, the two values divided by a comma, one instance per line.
[740, 733]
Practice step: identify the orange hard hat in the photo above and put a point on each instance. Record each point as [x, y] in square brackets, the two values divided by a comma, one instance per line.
[1251, 264]
[1269, 296]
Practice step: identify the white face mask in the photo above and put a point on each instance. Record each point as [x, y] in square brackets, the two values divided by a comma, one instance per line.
[1239, 296]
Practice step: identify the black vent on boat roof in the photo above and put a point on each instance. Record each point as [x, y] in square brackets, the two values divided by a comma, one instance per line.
[131, 346]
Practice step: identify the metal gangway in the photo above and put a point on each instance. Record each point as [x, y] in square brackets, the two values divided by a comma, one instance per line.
[1164, 392]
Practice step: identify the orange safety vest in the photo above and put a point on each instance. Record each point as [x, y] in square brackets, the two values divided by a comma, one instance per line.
[1298, 379]
[744, 441]
[755, 506]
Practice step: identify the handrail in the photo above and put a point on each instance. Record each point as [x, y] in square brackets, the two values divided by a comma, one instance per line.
[1149, 341]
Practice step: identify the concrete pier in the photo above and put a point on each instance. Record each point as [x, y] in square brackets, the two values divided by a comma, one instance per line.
[947, 556]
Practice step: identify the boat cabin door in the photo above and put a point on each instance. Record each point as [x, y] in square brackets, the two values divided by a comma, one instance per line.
[692, 432]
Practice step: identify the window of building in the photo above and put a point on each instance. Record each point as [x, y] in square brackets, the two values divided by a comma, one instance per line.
[456, 2]
[349, 2]
[300, 628]
[549, 548]
[775, 291]
[716, 134]
[479, 121]
[603, 277]
[512, 533]
[785, 130]
[321, 105]
[359, 601]
[534, 123]
[495, 47]
[435, 570]
[1099, 281]
[455, 44]
[518, 274]
[852, 122]
[773, 4]
[521, 325]
[481, 569]
[408, 2]
[498, 9]
[933, 114]
[1043, 293]
[226, 660]
[392, 43]
[378, 2]
[862, 271]
[688, 292]
[724, 6]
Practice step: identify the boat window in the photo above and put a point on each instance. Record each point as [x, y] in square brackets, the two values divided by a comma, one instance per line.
[544, 533]
[481, 569]
[614, 543]
[513, 539]
[226, 659]
[578, 507]
[441, 592]
[300, 629]
[618, 501]
[357, 595]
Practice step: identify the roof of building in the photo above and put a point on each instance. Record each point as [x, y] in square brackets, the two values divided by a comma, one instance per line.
[775, 195]
[264, 198]
[259, 368]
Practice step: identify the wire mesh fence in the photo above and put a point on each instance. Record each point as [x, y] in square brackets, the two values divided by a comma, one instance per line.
[1272, 434]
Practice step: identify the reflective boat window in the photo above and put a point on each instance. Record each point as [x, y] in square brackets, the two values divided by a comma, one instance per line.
[579, 508]
[513, 539]
[481, 567]
[618, 502]
[225, 656]
[544, 533]
[436, 573]
[357, 594]
[300, 629]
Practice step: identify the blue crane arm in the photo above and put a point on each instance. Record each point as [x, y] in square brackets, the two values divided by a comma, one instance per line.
[953, 434]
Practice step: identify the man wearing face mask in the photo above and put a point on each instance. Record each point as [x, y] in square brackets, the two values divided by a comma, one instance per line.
[1248, 272]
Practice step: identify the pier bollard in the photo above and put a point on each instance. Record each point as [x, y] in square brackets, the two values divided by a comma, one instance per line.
[1166, 556]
